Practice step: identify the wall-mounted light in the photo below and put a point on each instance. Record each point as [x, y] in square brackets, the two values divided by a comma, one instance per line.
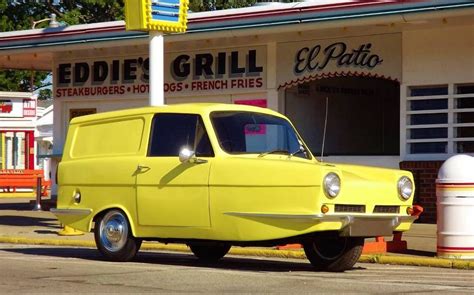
[53, 23]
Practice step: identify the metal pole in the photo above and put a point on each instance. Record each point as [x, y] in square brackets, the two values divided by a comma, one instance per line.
[157, 96]
[37, 206]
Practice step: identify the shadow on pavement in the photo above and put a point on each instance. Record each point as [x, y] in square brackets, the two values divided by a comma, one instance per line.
[175, 259]
[16, 206]
[48, 232]
[15, 220]
[420, 253]
[65, 252]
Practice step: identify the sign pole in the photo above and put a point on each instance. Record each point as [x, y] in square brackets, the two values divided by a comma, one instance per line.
[157, 17]
[157, 50]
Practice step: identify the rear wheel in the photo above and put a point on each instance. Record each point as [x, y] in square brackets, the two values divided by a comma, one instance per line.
[334, 254]
[210, 253]
[113, 237]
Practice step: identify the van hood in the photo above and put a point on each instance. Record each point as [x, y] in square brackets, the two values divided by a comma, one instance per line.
[366, 184]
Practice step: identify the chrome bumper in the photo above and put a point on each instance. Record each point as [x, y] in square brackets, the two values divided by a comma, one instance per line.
[361, 226]
[352, 225]
[70, 212]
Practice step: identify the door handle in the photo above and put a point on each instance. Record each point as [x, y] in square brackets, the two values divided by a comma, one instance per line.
[143, 168]
[197, 161]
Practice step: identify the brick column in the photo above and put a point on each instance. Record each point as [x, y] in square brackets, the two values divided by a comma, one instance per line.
[425, 174]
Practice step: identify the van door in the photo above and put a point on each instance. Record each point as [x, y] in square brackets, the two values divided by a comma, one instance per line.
[171, 193]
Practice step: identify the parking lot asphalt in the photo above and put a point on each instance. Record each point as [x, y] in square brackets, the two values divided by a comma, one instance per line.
[19, 224]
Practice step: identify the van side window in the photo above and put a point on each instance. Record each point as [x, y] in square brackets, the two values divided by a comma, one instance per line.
[171, 132]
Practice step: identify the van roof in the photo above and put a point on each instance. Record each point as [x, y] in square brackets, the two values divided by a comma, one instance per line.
[195, 108]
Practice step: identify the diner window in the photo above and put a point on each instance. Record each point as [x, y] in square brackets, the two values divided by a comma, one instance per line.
[12, 151]
[172, 132]
[361, 115]
[440, 120]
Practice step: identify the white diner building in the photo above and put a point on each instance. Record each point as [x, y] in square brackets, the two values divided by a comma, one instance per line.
[393, 81]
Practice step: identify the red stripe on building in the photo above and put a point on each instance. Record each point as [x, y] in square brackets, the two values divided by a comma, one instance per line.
[63, 33]
[455, 248]
[282, 12]
[455, 184]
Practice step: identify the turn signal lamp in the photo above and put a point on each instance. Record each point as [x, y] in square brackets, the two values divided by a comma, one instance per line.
[324, 209]
[410, 211]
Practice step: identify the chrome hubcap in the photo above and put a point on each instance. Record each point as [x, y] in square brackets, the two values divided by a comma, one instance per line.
[113, 231]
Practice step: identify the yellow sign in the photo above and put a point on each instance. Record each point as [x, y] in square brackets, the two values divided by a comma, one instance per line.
[169, 16]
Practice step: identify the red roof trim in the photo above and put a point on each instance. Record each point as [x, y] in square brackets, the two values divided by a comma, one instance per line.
[280, 12]
[302, 80]
[199, 20]
[64, 33]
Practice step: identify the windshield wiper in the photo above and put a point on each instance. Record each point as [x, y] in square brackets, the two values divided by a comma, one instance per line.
[285, 152]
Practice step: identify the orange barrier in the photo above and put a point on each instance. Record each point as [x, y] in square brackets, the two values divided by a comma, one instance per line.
[289, 247]
[12, 180]
[396, 245]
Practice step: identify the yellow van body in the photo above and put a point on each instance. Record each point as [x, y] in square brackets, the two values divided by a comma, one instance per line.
[225, 197]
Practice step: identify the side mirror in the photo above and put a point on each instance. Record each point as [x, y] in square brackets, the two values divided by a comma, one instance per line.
[185, 155]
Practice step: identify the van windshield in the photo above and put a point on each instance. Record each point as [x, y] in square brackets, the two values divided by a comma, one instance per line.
[255, 133]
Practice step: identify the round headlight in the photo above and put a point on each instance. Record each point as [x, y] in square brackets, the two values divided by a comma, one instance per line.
[405, 187]
[332, 185]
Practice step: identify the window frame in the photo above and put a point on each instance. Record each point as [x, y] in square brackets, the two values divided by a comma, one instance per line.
[292, 92]
[152, 128]
[451, 125]
[308, 151]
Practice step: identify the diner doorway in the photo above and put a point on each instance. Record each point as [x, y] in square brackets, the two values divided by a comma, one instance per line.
[361, 116]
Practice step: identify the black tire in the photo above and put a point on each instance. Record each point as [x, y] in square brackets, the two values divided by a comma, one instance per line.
[210, 253]
[114, 238]
[334, 254]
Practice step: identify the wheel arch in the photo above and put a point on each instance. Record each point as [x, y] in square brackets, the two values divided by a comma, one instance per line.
[102, 211]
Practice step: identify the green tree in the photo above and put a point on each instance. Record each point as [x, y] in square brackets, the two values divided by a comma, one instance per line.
[22, 15]
[14, 16]
[27, 81]
[74, 12]
[44, 94]
[206, 5]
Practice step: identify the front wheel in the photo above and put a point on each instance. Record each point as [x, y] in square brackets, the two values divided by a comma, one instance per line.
[334, 254]
[113, 237]
[210, 253]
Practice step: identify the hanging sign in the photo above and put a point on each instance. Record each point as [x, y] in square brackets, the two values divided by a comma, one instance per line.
[6, 106]
[29, 107]
[168, 16]
[11, 108]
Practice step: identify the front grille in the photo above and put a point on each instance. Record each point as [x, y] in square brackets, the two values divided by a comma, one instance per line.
[350, 208]
[386, 209]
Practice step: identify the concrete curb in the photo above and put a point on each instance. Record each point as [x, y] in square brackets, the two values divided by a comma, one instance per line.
[294, 254]
[51, 242]
[418, 261]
